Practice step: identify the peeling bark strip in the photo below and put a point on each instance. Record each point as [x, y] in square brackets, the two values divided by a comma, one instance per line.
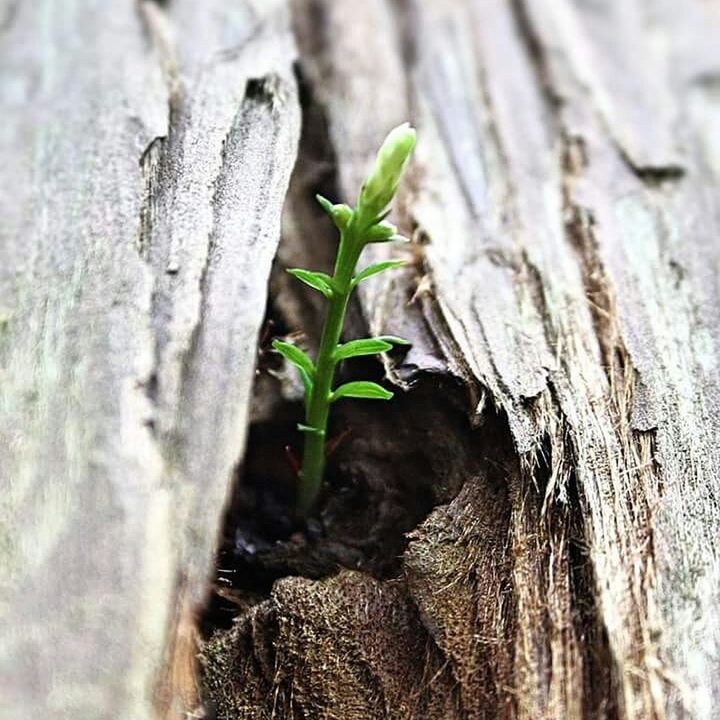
[566, 198]
[565, 204]
[147, 149]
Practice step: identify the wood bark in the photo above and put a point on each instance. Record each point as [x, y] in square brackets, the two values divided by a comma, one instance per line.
[146, 156]
[563, 204]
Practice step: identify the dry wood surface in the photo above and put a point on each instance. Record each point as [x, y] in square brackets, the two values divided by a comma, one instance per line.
[564, 205]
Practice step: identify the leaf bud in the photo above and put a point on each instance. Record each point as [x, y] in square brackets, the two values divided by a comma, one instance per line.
[382, 182]
[340, 214]
[381, 232]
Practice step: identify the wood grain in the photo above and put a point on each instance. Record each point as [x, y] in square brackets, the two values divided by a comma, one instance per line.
[565, 192]
[563, 203]
[146, 156]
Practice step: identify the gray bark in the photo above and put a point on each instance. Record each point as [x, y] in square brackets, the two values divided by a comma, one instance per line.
[566, 197]
[146, 154]
[564, 206]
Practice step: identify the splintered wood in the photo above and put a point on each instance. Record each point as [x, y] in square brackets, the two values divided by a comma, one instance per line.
[564, 201]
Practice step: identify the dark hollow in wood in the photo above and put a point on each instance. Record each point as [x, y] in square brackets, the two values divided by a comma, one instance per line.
[564, 274]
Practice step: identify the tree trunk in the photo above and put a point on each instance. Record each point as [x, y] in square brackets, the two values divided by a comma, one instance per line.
[529, 529]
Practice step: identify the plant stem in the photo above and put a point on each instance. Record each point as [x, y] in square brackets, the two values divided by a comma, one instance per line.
[365, 224]
[318, 406]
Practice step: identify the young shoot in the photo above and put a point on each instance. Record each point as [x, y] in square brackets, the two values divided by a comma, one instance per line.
[358, 227]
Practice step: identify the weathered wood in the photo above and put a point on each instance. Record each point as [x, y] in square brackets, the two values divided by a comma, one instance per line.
[564, 204]
[565, 195]
[146, 153]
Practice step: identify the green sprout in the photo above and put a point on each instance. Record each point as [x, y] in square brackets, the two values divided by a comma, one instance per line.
[358, 227]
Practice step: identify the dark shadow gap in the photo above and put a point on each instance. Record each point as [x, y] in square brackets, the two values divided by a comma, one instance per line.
[393, 463]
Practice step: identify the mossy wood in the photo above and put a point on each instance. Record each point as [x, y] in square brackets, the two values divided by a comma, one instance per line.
[564, 203]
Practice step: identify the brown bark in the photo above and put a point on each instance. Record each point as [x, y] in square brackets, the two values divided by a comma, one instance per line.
[552, 453]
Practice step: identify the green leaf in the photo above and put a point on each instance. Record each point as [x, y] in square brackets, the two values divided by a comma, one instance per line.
[361, 389]
[393, 339]
[340, 214]
[298, 358]
[356, 348]
[381, 232]
[306, 428]
[384, 232]
[366, 346]
[307, 383]
[376, 268]
[325, 204]
[381, 216]
[317, 280]
[295, 355]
